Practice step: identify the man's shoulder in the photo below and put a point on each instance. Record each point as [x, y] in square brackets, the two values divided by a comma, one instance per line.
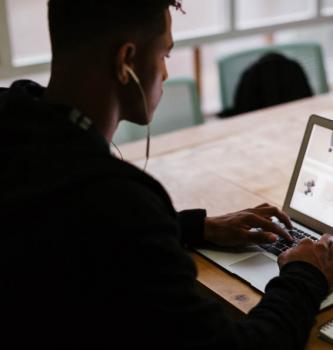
[124, 183]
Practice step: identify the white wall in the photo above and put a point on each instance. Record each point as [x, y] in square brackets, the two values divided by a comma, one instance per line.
[29, 35]
[28, 29]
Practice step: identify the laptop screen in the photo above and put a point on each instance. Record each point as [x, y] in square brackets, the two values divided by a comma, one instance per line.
[313, 194]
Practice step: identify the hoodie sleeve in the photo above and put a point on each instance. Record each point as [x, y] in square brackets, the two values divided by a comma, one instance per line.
[192, 224]
[149, 282]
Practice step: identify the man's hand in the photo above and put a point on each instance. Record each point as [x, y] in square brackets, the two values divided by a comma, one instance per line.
[319, 254]
[235, 229]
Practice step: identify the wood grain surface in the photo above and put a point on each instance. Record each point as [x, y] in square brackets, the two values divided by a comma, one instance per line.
[228, 165]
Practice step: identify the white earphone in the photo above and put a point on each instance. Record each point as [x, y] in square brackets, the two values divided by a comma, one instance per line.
[133, 75]
[137, 81]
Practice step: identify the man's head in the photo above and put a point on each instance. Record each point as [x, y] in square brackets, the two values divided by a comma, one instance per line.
[133, 33]
[79, 22]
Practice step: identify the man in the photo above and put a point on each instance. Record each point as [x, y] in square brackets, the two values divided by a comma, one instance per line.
[93, 248]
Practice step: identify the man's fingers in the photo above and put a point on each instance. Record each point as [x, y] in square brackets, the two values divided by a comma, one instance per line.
[268, 226]
[305, 241]
[269, 211]
[324, 246]
[283, 217]
[327, 240]
[321, 251]
[264, 205]
[261, 237]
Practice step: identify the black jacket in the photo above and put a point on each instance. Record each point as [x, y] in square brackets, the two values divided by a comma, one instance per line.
[272, 80]
[92, 256]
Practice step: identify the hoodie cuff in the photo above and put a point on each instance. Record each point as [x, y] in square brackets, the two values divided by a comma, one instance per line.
[303, 279]
[192, 223]
[313, 275]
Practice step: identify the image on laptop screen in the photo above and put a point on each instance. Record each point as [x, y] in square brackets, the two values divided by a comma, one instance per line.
[313, 195]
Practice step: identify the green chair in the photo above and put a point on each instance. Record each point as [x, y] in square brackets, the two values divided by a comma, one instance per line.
[124, 133]
[308, 55]
[179, 108]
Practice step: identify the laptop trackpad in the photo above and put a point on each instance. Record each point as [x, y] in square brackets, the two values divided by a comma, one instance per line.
[257, 270]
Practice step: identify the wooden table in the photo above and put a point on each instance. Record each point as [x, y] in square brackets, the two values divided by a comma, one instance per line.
[228, 165]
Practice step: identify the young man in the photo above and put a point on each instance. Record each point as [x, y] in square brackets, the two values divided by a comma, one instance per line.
[93, 248]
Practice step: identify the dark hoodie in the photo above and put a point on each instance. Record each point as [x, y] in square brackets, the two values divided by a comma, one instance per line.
[91, 250]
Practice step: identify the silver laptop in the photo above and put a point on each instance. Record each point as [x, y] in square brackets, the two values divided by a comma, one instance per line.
[309, 203]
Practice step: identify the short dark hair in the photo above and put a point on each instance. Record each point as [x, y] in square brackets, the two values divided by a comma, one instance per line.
[77, 22]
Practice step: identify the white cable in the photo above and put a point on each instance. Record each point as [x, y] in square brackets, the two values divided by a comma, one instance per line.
[115, 146]
[136, 79]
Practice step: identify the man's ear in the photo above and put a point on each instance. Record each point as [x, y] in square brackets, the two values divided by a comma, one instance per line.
[125, 57]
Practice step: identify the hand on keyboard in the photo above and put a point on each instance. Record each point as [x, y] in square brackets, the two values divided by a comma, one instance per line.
[282, 244]
[239, 229]
[319, 254]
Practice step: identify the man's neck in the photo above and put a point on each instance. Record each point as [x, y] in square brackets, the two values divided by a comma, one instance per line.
[86, 93]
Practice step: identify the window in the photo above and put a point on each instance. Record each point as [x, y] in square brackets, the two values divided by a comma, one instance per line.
[28, 31]
[218, 27]
[327, 8]
[202, 18]
[258, 13]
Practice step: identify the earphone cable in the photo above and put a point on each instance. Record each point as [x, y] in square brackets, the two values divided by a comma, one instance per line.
[118, 150]
[147, 147]
[137, 81]
[148, 125]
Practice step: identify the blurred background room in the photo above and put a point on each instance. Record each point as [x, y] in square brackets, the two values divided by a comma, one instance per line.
[211, 31]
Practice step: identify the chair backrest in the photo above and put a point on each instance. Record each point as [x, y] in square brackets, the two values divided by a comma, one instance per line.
[308, 55]
[178, 109]
[123, 133]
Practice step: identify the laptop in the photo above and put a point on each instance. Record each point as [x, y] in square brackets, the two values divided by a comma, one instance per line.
[309, 203]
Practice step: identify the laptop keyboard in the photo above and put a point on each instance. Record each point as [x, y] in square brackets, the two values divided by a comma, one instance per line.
[282, 244]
